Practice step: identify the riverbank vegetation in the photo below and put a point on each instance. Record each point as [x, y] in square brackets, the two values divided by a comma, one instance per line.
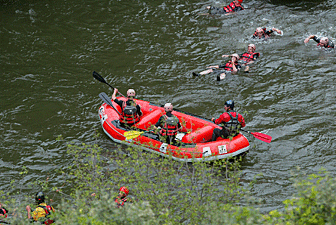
[164, 191]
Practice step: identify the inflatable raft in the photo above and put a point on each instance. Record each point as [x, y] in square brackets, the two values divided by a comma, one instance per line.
[194, 140]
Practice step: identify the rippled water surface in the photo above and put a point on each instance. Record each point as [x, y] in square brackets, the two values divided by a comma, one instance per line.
[49, 50]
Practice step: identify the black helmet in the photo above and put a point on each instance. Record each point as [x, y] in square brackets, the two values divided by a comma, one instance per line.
[229, 103]
[39, 197]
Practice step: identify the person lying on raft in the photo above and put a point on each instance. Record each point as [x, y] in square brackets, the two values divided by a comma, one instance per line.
[230, 121]
[248, 57]
[323, 42]
[169, 124]
[263, 33]
[232, 66]
[234, 6]
[131, 111]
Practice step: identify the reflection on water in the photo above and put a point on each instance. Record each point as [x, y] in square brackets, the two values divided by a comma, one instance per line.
[49, 51]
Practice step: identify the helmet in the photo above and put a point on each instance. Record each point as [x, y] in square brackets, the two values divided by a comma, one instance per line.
[39, 197]
[168, 107]
[240, 1]
[124, 189]
[229, 103]
[130, 92]
[324, 40]
[259, 29]
[252, 46]
[235, 55]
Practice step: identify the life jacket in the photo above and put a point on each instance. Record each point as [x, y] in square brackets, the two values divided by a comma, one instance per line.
[170, 127]
[47, 210]
[232, 6]
[233, 124]
[248, 57]
[120, 202]
[3, 212]
[129, 113]
[229, 66]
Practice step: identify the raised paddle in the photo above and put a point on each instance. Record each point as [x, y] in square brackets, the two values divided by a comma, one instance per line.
[262, 137]
[107, 100]
[101, 79]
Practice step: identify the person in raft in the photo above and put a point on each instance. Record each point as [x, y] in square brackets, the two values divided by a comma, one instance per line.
[321, 42]
[42, 211]
[230, 121]
[248, 57]
[121, 198]
[131, 111]
[3, 211]
[263, 33]
[232, 66]
[234, 6]
[169, 124]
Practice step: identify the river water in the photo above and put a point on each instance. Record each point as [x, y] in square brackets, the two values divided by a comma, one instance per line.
[50, 48]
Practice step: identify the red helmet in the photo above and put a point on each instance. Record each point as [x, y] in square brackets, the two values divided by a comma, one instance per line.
[130, 92]
[240, 1]
[168, 107]
[124, 189]
[259, 29]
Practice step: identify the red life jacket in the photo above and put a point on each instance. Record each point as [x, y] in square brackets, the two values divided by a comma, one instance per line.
[129, 114]
[229, 66]
[232, 6]
[170, 127]
[248, 57]
[47, 210]
[120, 202]
[328, 46]
[3, 212]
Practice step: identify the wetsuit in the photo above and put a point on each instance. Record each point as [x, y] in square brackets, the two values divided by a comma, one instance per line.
[329, 45]
[129, 119]
[248, 57]
[232, 7]
[230, 121]
[169, 129]
[267, 34]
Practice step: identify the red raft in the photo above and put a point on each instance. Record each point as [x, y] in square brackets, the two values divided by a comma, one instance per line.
[195, 136]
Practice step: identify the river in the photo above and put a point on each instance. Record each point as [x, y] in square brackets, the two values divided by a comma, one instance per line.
[50, 48]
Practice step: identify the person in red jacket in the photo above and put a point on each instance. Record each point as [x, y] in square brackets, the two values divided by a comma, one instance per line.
[121, 198]
[234, 6]
[230, 121]
[131, 112]
[323, 42]
[3, 212]
[232, 66]
[248, 57]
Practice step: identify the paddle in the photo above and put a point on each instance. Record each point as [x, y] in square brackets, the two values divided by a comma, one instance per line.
[262, 137]
[133, 134]
[101, 79]
[107, 100]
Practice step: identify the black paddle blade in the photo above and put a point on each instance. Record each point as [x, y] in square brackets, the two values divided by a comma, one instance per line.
[98, 77]
[105, 98]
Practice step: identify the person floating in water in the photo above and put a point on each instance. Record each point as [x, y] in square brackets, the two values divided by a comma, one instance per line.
[232, 66]
[248, 57]
[322, 42]
[263, 33]
[234, 6]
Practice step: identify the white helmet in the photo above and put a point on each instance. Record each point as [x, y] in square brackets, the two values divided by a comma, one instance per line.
[324, 40]
[235, 55]
[252, 46]
[130, 93]
[168, 107]
[259, 29]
